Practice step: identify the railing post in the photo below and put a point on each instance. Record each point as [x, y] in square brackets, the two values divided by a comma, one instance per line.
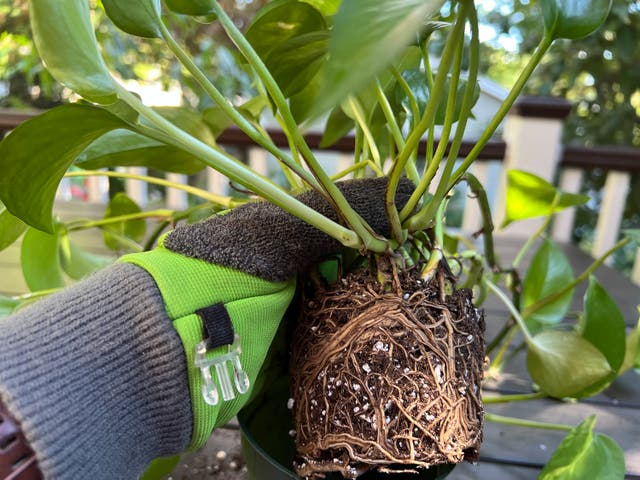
[614, 199]
[533, 134]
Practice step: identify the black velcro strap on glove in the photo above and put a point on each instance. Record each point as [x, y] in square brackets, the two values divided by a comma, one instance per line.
[263, 240]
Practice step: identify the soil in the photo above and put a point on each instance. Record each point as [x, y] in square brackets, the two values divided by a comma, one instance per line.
[387, 380]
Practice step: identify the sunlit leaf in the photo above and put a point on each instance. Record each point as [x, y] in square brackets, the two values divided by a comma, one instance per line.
[11, 228]
[603, 324]
[40, 260]
[67, 44]
[36, 154]
[574, 18]
[141, 17]
[78, 263]
[120, 205]
[564, 364]
[160, 468]
[368, 36]
[529, 196]
[548, 272]
[584, 454]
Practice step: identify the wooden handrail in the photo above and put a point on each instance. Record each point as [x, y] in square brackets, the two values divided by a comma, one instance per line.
[495, 150]
[625, 159]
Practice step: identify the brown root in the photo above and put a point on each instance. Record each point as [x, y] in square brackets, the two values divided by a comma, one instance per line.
[385, 380]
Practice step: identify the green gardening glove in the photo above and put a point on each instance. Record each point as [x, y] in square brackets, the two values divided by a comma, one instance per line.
[228, 281]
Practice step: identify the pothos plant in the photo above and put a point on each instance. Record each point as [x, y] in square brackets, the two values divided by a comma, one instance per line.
[395, 348]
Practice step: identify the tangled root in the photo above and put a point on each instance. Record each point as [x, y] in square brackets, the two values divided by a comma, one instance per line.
[385, 381]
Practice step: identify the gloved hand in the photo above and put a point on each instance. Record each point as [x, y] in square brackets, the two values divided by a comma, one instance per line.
[103, 376]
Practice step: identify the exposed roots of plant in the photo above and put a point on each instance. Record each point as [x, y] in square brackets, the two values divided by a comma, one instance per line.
[387, 381]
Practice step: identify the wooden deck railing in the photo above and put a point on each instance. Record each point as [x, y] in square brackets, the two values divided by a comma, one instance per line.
[531, 135]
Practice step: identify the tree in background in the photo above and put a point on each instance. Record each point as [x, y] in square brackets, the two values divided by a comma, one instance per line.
[599, 75]
[25, 82]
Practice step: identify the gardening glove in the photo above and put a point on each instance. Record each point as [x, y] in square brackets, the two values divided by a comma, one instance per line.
[121, 368]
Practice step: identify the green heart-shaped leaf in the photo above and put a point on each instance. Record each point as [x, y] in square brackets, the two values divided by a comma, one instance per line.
[280, 21]
[78, 263]
[141, 18]
[368, 36]
[125, 148]
[548, 272]
[632, 350]
[191, 7]
[529, 196]
[326, 7]
[66, 42]
[584, 454]
[7, 306]
[11, 228]
[40, 260]
[574, 18]
[120, 205]
[564, 364]
[160, 468]
[190, 121]
[35, 156]
[603, 324]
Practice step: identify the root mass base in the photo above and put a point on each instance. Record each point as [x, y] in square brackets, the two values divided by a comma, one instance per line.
[386, 381]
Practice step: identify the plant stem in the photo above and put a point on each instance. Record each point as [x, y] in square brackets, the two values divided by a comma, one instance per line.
[358, 166]
[35, 295]
[356, 108]
[519, 422]
[367, 238]
[423, 218]
[519, 397]
[500, 294]
[583, 276]
[544, 45]
[247, 127]
[429, 209]
[487, 222]
[435, 96]
[242, 174]
[413, 103]
[496, 364]
[506, 329]
[531, 240]
[226, 202]
[84, 225]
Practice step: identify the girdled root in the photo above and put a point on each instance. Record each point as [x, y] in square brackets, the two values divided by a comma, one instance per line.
[386, 381]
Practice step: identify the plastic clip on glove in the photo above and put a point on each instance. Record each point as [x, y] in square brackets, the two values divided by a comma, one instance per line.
[145, 358]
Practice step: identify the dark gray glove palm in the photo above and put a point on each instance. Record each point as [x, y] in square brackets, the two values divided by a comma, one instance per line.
[264, 240]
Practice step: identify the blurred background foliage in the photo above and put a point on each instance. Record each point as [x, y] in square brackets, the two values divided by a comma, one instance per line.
[599, 75]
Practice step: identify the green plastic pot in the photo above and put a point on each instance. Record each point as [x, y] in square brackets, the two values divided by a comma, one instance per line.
[268, 448]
